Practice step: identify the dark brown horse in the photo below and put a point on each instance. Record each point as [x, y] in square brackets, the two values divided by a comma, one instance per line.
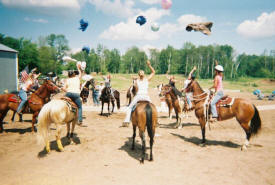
[246, 113]
[84, 94]
[167, 99]
[106, 97]
[131, 92]
[145, 115]
[33, 105]
[168, 92]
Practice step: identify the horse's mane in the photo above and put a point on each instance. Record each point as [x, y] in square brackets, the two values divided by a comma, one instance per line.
[199, 85]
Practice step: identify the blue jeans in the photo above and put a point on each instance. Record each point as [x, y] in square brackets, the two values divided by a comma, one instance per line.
[24, 97]
[95, 97]
[215, 99]
[76, 98]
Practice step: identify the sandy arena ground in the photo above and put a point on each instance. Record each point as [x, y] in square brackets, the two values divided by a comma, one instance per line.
[102, 153]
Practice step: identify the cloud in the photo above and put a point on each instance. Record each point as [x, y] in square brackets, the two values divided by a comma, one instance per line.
[129, 30]
[115, 7]
[146, 48]
[35, 20]
[44, 6]
[263, 27]
[151, 1]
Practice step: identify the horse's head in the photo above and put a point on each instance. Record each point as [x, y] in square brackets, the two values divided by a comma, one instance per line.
[165, 90]
[84, 94]
[51, 87]
[159, 87]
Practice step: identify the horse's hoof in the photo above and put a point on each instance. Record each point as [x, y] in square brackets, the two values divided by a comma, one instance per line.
[151, 159]
[141, 161]
[243, 148]
[202, 145]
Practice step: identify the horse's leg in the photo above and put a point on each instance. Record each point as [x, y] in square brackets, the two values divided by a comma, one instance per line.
[73, 126]
[246, 128]
[58, 139]
[151, 147]
[2, 116]
[13, 115]
[202, 123]
[142, 136]
[113, 104]
[68, 132]
[109, 108]
[134, 136]
[102, 105]
[34, 116]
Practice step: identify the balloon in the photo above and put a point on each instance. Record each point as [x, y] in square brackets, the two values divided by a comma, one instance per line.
[166, 4]
[83, 24]
[155, 27]
[141, 20]
[86, 49]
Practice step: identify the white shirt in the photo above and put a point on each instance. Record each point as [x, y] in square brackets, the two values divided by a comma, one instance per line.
[142, 87]
[73, 85]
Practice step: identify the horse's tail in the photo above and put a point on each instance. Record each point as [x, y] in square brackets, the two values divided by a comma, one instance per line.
[256, 122]
[149, 120]
[43, 125]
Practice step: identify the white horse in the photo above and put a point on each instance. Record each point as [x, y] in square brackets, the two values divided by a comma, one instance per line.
[58, 112]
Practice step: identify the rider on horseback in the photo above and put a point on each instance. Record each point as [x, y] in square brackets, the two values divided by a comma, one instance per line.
[172, 82]
[26, 86]
[107, 80]
[218, 91]
[72, 89]
[191, 76]
[142, 94]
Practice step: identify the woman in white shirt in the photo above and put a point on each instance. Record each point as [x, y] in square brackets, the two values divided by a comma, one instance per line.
[142, 94]
[72, 89]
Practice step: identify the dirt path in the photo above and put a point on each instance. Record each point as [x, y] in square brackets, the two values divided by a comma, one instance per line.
[102, 154]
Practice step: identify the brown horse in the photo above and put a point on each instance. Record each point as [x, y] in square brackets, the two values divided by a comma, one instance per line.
[246, 113]
[145, 115]
[167, 99]
[106, 97]
[33, 105]
[168, 92]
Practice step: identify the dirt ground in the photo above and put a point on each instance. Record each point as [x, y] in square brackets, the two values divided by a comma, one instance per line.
[102, 155]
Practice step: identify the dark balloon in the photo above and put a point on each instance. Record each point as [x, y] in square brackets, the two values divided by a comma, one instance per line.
[86, 49]
[141, 20]
[83, 25]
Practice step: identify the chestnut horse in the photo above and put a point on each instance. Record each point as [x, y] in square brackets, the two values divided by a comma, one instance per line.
[168, 92]
[34, 103]
[57, 112]
[246, 113]
[144, 115]
[168, 100]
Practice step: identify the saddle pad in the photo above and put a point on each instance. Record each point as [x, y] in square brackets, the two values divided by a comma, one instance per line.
[14, 98]
[227, 101]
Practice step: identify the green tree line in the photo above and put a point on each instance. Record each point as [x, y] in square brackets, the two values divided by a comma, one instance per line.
[47, 54]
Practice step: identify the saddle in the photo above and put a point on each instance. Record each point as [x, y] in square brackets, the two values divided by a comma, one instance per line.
[225, 101]
[72, 106]
[16, 99]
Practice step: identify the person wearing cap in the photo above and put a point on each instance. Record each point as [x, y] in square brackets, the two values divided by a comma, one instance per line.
[218, 91]
[72, 89]
[172, 82]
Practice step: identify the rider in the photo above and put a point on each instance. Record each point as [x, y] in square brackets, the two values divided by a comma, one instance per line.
[142, 94]
[25, 87]
[191, 76]
[107, 80]
[72, 89]
[218, 91]
[172, 82]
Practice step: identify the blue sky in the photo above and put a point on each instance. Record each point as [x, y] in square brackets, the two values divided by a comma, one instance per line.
[247, 25]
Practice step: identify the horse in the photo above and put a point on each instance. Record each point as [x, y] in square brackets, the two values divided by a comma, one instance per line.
[144, 115]
[59, 112]
[245, 112]
[106, 97]
[33, 105]
[131, 92]
[168, 92]
[167, 99]
[84, 94]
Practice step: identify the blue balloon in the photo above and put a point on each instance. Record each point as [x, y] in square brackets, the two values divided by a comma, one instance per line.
[86, 49]
[141, 20]
[83, 25]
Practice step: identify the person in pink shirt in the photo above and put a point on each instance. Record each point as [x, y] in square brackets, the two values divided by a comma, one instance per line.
[218, 91]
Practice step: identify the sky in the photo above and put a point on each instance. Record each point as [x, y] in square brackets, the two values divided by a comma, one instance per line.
[247, 25]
